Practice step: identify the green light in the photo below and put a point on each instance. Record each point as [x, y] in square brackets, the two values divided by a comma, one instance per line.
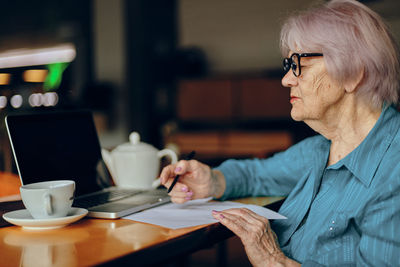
[54, 77]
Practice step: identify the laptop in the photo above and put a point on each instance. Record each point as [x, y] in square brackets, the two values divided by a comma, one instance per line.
[58, 145]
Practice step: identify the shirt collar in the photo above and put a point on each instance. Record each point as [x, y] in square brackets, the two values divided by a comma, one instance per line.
[372, 149]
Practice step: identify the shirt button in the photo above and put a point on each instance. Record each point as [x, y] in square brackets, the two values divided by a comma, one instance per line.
[330, 228]
[333, 222]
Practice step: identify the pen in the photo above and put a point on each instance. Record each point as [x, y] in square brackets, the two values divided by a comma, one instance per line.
[188, 157]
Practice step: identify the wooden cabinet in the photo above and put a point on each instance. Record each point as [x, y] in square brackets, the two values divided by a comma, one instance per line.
[229, 99]
[217, 107]
[215, 144]
[205, 100]
[263, 99]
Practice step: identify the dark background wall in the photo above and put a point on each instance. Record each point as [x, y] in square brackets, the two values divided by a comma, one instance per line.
[127, 50]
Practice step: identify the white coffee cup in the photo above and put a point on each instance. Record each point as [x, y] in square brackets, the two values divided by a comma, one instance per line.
[51, 199]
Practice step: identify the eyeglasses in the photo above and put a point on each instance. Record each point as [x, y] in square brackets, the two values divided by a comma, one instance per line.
[293, 62]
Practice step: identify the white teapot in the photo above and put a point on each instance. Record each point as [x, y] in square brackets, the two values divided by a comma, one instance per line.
[136, 164]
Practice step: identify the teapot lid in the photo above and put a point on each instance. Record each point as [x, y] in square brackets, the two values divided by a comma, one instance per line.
[135, 145]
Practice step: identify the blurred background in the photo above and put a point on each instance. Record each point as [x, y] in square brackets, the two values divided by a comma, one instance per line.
[186, 74]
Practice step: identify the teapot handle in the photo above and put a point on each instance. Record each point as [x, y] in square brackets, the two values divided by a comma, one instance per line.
[165, 153]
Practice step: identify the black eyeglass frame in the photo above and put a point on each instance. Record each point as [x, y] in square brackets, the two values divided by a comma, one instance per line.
[288, 62]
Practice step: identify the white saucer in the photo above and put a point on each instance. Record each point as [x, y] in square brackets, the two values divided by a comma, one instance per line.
[23, 218]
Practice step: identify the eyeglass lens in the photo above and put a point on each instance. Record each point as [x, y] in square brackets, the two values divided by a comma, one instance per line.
[292, 63]
[295, 64]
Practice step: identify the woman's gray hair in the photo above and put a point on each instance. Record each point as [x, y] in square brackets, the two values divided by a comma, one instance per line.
[353, 38]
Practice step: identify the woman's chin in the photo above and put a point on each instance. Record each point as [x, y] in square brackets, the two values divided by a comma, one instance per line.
[296, 116]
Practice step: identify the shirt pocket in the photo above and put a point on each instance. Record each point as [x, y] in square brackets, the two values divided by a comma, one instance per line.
[332, 233]
[338, 242]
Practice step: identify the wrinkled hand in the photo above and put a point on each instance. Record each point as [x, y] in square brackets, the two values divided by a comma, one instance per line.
[196, 180]
[260, 242]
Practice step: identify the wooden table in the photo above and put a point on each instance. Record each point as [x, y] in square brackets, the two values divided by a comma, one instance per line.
[90, 242]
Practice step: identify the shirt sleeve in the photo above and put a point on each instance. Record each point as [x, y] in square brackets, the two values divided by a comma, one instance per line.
[274, 176]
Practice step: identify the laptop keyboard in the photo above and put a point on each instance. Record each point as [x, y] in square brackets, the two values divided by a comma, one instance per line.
[104, 197]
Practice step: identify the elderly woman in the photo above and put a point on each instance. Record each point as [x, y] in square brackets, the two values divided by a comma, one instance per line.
[342, 186]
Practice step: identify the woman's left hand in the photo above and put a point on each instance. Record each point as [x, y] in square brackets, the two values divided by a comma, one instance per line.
[260, 242]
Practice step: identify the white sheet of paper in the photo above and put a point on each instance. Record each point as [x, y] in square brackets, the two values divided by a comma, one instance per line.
[193, 213]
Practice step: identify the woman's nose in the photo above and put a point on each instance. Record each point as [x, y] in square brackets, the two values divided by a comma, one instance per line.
[289, 80]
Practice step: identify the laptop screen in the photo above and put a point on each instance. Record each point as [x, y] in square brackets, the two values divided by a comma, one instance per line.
[56, 146]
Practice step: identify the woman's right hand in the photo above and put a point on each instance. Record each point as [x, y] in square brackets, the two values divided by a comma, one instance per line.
[196, 180]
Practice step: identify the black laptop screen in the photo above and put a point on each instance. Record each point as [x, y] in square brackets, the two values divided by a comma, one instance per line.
[56, 146]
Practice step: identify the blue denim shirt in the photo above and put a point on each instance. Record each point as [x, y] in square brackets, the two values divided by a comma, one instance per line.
[344, 214]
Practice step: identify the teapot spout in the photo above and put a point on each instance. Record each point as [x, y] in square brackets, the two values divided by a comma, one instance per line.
[108, 161]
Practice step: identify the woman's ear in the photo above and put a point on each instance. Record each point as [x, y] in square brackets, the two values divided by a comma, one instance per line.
[353, 84]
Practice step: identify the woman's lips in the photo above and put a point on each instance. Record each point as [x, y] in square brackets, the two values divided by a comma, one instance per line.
[293, 98]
